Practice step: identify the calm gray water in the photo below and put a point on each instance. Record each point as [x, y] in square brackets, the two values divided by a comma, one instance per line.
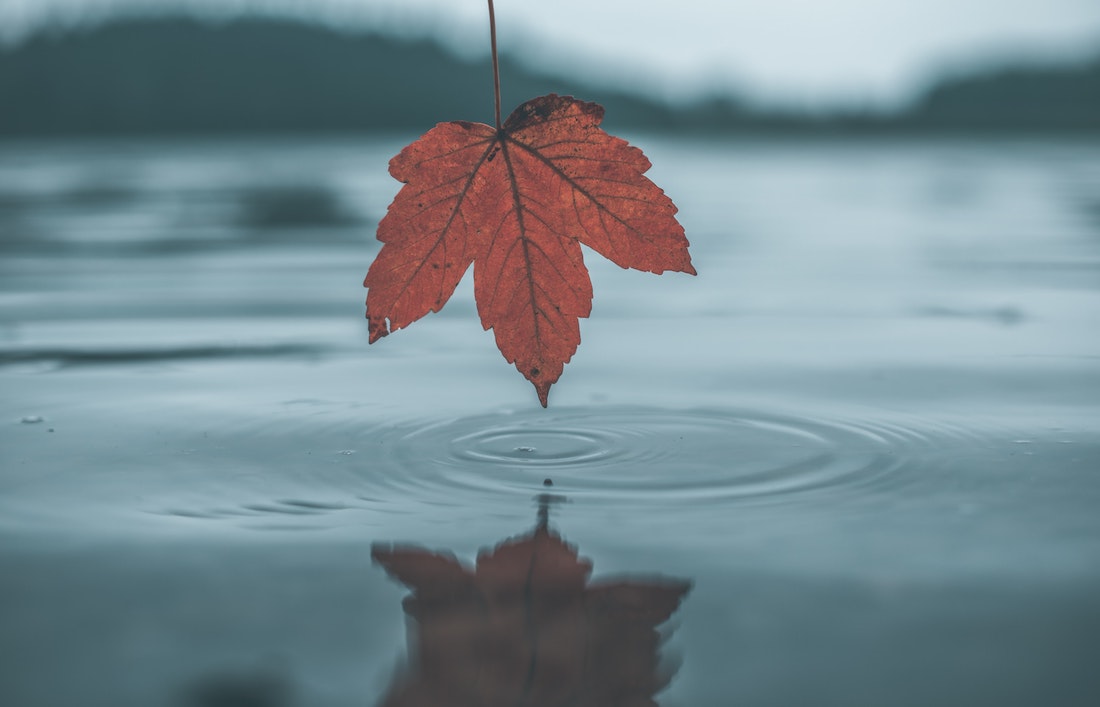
[856, 461]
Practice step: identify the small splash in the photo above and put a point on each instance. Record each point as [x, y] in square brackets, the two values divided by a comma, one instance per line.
[32, 420]
[551, 446]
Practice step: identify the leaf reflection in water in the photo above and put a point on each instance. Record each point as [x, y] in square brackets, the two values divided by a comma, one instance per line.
[526, 627]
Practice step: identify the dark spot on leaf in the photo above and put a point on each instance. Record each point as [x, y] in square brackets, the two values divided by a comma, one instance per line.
[534, 372]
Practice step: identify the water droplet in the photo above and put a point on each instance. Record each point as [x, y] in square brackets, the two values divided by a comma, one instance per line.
[347, 452]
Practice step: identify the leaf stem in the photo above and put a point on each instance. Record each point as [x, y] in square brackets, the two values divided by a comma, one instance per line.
[496, 64]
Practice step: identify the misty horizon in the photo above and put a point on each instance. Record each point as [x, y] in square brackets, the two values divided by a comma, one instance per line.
[255, 75]
[540, 51]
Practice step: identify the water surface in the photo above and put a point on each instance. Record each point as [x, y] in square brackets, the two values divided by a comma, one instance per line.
[856, 461]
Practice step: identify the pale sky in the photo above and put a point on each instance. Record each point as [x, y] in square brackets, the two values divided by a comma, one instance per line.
[806, 52]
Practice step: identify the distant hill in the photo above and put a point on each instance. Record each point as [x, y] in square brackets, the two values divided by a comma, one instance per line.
[1021, 98]
[186, 76]
[183, 76]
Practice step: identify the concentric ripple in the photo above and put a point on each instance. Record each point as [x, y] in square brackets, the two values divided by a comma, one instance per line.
[639, 455]
[319, 467]
[530, 446]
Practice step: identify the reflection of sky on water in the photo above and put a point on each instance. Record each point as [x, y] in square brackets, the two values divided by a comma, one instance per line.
[942, 233]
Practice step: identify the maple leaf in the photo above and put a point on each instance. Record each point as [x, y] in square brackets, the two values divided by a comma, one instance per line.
[518, 202]
[525, 626]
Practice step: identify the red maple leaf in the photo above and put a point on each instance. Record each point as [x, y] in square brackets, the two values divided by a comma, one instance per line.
[518, 200]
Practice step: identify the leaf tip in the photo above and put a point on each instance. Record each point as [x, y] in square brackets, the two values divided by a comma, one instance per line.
[377, 327]
[542, 385]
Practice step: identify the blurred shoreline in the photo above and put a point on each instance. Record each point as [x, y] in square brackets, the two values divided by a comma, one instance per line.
[274, 77]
